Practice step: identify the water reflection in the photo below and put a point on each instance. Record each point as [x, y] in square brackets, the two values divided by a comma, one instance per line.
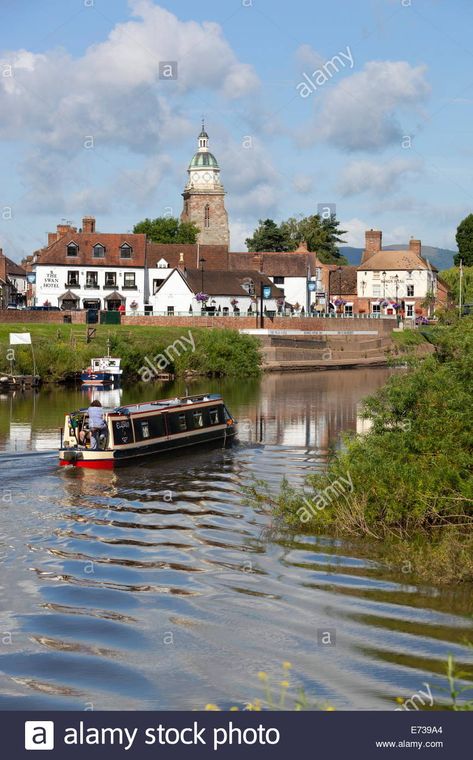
[157, 586]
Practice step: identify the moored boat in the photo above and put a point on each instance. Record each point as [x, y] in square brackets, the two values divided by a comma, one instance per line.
[138, 430]
[104, 370]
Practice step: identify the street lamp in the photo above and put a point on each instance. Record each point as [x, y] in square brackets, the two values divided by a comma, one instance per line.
[202, 262]
[340, 286]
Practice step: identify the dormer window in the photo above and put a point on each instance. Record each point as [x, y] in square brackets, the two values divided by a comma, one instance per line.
[99, 251]
[126, 251]
[72, 249]
[162, 264]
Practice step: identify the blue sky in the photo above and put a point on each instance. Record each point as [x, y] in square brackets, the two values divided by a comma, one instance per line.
[87, 126]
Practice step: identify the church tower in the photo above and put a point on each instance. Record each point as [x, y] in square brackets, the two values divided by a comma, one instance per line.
[204, 196]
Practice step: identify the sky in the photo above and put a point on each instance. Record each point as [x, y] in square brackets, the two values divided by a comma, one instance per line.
[366, 105]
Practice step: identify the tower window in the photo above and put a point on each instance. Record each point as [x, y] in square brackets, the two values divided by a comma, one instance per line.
[207, 215]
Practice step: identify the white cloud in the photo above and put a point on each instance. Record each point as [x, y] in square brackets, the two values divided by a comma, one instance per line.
[249, 178]
[239, 231]
[303, 183]
[376, 177]
[362, 111]
[355, 235]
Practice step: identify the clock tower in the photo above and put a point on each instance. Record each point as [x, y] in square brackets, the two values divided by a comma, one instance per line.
[204, 196]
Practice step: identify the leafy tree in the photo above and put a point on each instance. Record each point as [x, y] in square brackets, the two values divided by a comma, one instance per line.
[321, 235]
[452, 278]
[168, 229]
[268, 236]
[464, 238]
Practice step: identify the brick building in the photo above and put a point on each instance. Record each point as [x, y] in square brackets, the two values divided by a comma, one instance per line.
[204, 196]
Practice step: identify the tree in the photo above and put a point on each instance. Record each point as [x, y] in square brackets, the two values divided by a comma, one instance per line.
[168, 229]
[267, 237]
[464, 238]
[452, 278]
[322, 235]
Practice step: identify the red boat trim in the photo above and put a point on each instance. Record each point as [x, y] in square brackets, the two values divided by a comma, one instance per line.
[94, 464]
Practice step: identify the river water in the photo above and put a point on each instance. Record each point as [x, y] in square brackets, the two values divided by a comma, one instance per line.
[158, 587]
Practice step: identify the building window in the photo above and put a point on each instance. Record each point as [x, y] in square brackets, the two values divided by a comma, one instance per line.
[99, 251]
[376, 275]
[162, 264]
[110, 279]
[72, 249]
[73, 279]
[410, 290]
[126, 251]
[129, 280]
[170, 311]
[348, 308]
[409, 310]
[376, 308]
[91, 279]
[207, 215]
[278, 280]
[376, 291]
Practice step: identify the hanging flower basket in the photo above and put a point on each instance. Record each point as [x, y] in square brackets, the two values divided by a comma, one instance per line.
[202, 297]
[134, 305]
[340, 302]
[395, 306]
[234, 302]
[280, 302]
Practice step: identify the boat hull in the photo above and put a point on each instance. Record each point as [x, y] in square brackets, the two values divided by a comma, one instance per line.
[99, 378]
[112, 458]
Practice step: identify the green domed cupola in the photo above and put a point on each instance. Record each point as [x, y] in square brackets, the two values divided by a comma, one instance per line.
[204, 171]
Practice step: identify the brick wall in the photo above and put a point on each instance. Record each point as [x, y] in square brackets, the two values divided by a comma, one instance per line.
[37, 317]
[383, 326]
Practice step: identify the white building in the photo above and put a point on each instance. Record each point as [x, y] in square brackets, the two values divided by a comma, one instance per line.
[228, 293]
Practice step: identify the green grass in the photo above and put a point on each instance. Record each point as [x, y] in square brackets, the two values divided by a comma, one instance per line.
[62, 350]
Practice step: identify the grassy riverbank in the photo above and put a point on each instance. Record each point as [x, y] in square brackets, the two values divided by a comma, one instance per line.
[61, 350]
[406, 486]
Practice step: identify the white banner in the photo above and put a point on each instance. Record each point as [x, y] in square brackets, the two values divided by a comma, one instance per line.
[20, 339]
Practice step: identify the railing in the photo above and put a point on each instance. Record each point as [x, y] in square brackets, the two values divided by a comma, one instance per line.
[254, 315]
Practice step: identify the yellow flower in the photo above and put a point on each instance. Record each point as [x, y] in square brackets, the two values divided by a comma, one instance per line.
[234, 709]
[400, 700]
[262, 676]
[210, 706]
[285, 684]
[329, 709]
[286, 665]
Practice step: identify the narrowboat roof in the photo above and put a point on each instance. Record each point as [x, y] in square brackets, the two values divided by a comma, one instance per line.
[153, 406]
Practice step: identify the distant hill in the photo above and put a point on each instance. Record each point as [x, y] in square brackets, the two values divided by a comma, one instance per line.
[442, 258]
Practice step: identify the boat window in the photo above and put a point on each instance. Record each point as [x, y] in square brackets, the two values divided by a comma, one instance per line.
[181, 422]
[198, 419]
[213, 413]
[145, 428]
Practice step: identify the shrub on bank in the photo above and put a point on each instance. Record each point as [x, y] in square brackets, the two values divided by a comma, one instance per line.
[410, 479]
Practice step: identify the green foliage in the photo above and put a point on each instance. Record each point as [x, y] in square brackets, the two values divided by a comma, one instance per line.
[412, 473]
[322, 235]
[464, 238]
[267, 237]
[168, 229]
[452, 278]
[62, 351]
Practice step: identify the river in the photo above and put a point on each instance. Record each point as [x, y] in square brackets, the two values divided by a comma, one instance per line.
[158, 587]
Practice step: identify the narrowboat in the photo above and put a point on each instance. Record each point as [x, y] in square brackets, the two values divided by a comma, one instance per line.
[102, 371]
[139, 430]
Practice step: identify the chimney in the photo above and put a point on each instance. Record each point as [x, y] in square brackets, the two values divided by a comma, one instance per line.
[302, 247]
[63, 229]
[373, 244]
[88, 224]
[52, 237]
[257, 262]
[181, 265]
[3, 266]
[415, 246]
